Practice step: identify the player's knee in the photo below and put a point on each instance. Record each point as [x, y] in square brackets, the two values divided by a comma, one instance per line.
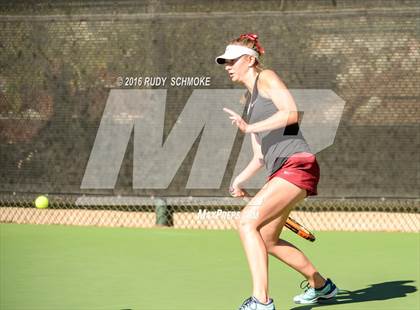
[248, 220]
[245, 225]
[270, 245]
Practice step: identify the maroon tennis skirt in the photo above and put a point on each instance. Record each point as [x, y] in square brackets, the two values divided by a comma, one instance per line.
[302, 170]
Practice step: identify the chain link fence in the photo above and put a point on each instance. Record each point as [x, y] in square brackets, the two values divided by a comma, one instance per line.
[401, 215]
[62, 59]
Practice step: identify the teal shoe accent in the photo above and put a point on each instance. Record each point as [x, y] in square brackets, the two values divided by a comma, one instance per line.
[311, 295]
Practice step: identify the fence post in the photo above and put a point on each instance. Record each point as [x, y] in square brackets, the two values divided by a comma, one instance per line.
[164, 216]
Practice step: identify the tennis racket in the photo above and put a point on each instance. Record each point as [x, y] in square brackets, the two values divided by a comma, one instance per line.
[299, 229]
[292, 224]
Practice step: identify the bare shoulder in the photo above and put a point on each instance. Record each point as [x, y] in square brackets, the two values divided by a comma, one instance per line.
[268, 74]
[269, 80]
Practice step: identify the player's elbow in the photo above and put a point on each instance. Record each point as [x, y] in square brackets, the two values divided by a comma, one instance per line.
[293, 117]
[259, 161]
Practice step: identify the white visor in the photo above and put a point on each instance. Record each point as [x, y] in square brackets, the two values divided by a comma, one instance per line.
[234, 51]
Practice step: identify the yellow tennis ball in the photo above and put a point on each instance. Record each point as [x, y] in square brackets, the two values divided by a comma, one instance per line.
[41, 202]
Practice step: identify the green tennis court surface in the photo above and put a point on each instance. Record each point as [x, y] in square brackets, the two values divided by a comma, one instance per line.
[58, 267]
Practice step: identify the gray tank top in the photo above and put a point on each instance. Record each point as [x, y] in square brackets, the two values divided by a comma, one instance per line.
[279, 144]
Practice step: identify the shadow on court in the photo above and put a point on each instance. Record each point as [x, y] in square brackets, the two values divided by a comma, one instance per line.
[379, 291]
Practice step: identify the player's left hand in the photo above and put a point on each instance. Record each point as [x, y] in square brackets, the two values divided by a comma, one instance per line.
[237, 120]
[236, 192]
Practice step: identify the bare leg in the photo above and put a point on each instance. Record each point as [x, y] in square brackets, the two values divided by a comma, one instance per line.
[256, 254]
[287, 252]
[270, 202]
[293, 257]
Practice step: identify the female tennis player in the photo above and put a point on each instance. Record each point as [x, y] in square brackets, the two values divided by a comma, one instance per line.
[272, 122]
